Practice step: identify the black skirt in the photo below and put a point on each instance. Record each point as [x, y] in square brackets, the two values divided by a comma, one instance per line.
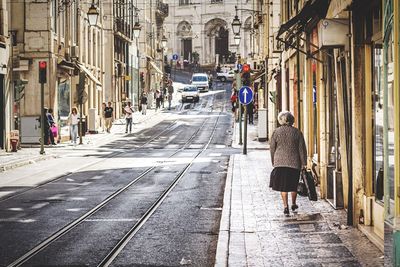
[284, 179]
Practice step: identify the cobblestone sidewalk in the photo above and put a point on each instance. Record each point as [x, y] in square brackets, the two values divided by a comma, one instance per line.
[254, 231]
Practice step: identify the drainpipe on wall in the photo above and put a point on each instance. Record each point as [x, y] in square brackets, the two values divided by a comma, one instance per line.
[298, 73]
[349, 150]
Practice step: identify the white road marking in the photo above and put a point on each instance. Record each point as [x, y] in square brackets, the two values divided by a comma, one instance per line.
[58, 196]
[215, 154]
[40, 205]
[27, 221]
[16, 209]
[74, 209]
[97, 177]
[78, 198]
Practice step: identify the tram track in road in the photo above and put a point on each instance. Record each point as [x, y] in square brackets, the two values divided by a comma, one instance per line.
[125, 240]
[114, 252]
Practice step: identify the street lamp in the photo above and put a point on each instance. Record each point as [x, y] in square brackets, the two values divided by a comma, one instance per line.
[236, 24]
[93, 14]
[164, 42]
[237, 39]
[136, 30]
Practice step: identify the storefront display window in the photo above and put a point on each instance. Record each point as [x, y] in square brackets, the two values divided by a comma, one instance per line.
[388, 119]
[64, 105]
[378, 123]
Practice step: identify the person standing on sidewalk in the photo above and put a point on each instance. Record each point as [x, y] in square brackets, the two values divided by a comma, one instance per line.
[52, 124]
[108, 115]
[170, 92]
[103, 116]
[143, 102]
[128, 116]
[288, 156]
[73, 121]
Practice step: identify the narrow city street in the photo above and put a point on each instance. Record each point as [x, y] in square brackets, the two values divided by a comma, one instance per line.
[150, 198]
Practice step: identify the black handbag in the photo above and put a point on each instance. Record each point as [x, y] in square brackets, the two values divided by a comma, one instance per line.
[309, 182]
[301, 188]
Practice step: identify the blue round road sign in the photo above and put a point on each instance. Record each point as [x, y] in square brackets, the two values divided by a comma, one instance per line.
[245, 95]
[175, 57]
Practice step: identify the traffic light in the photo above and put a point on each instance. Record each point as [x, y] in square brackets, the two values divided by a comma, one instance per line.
[246, 75]
[141, 79]
[42, 71]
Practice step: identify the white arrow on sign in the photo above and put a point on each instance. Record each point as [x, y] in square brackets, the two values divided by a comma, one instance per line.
[245, 92]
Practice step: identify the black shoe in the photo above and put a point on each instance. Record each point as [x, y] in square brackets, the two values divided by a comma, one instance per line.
[286, 211]
[294, 207]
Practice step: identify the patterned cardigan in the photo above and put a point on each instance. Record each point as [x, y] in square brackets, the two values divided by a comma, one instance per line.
[288, 148]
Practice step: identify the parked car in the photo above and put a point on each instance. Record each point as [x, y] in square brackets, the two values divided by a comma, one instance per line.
[201, 81]
[190, 93]
[226, 76]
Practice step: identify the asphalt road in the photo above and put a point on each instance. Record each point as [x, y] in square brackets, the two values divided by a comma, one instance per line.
[180, 164]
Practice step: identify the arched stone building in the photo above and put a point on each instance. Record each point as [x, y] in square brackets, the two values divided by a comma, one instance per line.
[204, 28]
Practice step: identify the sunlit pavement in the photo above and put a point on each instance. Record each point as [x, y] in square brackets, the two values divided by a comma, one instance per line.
[254, 231]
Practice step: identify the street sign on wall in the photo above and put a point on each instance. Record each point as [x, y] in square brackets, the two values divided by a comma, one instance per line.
[245, 95]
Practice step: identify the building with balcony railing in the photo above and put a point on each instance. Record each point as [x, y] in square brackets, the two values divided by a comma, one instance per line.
[203, 28]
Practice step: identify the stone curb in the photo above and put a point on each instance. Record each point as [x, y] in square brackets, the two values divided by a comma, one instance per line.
[222, 254]
[23, 162]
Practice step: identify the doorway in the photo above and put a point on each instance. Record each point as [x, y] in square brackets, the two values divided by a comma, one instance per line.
[187, 49]
[221, 44]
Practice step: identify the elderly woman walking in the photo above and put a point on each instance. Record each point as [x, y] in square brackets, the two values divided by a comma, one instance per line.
[289, 156]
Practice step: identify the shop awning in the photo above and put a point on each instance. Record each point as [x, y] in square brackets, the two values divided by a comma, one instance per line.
[312, 11]
[154, 66]
[89, 74]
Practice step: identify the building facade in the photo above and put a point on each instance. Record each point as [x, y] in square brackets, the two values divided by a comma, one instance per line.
[6, 94]
[338, 72]
[86, 65]
[200, 31]
[151, 64]
[56, 32]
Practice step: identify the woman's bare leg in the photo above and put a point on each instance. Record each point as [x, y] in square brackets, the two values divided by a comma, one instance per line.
[284, 196]
[294, 197]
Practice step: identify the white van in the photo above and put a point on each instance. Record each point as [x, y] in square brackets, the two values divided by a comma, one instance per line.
[201, 81]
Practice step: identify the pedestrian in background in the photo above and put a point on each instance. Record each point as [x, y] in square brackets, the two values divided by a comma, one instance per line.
[288, 156]
[108, 114]
[210, 80]
[73, 121]
[103, 116]
[170, 93]
[143, 102]
[52, 125]
[46, 128]
[157, 96]
[164, 94]
[250, 112]
[128, 116]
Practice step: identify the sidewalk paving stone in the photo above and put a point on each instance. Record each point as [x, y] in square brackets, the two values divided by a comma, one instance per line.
[260, 235]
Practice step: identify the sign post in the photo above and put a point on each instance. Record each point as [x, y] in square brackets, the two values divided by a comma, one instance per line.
[238, 85]
[175, 58]
[42, 81]
[245, 97]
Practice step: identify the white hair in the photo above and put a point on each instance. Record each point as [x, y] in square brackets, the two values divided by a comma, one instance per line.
[285, 118]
